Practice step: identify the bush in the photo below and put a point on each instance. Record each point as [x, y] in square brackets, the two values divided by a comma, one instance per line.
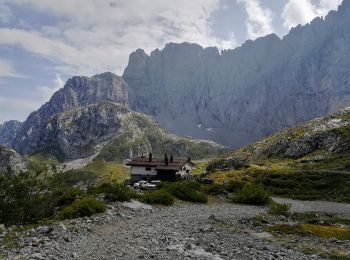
[215, 189]
[186, 190]
[279, 209]
[158, 197]
[114, 192]
[65, 196]
[235, 185]
[252, 194]
[22, 198]
[87, 206]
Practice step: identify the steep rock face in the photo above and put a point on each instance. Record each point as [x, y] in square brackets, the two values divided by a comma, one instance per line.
[319, 139]
[112, 127]
[9, 159]
[240, 95]
[77, 92]
[8, 132]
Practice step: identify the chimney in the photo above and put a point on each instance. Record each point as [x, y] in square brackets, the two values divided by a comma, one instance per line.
[150, 157]
[171, 158]
[166, 160]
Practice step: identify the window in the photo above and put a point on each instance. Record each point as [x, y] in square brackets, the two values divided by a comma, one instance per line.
[187, 171]
[148, 168]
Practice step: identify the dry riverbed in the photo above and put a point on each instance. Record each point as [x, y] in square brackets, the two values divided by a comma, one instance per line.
[184, 231]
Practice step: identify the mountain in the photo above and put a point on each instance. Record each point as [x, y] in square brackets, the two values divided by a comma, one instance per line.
[310, 161]
[113, 132]
[10, 160]
[9, 131]
[77, 92]
[237, 96]
[317, 141]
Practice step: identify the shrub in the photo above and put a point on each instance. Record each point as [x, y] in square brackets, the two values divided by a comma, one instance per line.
[215, 189]
[279, 209]
[235, 185]
[186, 190]
[114, 192]
[252, 194]
[87, 206]
[65, 196]
[158, 197]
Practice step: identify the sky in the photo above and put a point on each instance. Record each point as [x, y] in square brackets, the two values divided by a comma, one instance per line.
[45, 42]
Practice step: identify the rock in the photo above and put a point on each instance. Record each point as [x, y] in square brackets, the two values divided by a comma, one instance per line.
[11, 160]
[237, 96]
[63, 227]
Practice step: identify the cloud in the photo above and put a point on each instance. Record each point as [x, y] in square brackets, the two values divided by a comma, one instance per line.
[95, 36]
[297, 12]
[6, 14]
[47, 91]
[259, 19]
[7, 70]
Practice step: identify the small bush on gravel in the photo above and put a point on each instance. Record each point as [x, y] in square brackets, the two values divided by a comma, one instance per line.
[279, 209]
[186, 190]
[87, 206]
[114, 192]
[215, 189]
[158, 197]
[235, 185]
[252, 194]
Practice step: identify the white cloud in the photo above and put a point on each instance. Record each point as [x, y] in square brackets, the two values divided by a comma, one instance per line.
[7, 70]
[297, 12]
[259, 19]
[47, 91]
[96, 36]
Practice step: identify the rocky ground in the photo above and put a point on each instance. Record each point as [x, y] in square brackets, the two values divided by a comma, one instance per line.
[137, 231]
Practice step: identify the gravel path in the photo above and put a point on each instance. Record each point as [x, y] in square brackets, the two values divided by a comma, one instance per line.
[184, 231]
[318, 206]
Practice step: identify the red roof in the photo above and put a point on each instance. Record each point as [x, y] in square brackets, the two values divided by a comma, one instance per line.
[158, 163]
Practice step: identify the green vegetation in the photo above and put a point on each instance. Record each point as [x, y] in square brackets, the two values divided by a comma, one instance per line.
[279, 209]
[323, 231]
[186, 190]
[251, 194]
[160, 197]
[328, 179]
[114, 192]
[86, 206]
[214, 189]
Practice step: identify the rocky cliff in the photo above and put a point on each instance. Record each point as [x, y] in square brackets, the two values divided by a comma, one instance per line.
[113, 131]
[10, 160]
[237, 96]
[9, 131]
[77, 92]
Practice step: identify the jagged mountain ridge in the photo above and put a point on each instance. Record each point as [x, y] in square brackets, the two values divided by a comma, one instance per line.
[237, 96]
[114, 132]
[77, 92]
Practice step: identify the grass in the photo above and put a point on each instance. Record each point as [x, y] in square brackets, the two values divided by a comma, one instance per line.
[108, 172]
[323, 180]
[86, 206]
[323, 231]
[185, 190]
[251, 194]
[200, 167]
[97, 172]
[159, 197]
[279, 209]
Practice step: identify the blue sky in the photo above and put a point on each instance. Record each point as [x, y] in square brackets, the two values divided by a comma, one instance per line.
[44, 42]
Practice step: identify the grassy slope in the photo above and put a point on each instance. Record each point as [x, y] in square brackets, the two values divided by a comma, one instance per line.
[301, 178]
[141, 132]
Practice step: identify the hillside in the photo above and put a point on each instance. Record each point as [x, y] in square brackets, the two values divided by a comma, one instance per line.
[310, 160]
[10, 160]
[235, 97]
[113, 132]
